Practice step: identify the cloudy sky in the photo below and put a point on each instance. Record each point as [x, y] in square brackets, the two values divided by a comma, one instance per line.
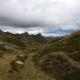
[49, 17]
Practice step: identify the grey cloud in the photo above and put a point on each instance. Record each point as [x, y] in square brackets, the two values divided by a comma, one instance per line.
[39, 13]
[18, 23]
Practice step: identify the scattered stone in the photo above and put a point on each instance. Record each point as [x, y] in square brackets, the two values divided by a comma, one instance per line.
[20, 62]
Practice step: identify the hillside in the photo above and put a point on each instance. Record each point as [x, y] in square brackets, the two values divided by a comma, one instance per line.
[15, 53]
[23, 41]
[35, 57]
[61, 58]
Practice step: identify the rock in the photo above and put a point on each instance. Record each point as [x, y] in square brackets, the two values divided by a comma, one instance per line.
[20, 62]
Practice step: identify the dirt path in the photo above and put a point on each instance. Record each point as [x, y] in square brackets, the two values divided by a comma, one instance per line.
[30, 72]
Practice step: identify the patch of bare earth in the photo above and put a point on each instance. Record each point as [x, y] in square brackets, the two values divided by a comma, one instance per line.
[5, 64]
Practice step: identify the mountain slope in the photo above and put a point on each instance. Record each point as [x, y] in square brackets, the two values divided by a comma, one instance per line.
[23, 41]
[61, 58]
[16, 52]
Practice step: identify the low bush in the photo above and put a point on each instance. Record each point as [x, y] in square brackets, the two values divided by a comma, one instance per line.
[59, 67]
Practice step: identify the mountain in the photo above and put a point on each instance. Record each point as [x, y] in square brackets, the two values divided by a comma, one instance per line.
[24, 40]
[35, 57]
[61, 58]
[16, 51]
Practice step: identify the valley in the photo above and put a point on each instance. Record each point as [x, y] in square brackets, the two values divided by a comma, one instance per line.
[33, 57]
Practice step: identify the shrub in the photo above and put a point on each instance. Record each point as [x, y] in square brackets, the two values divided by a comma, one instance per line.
[59, 67]
[16, 41]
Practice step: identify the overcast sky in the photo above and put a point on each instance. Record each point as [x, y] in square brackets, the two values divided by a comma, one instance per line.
[49, 17]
